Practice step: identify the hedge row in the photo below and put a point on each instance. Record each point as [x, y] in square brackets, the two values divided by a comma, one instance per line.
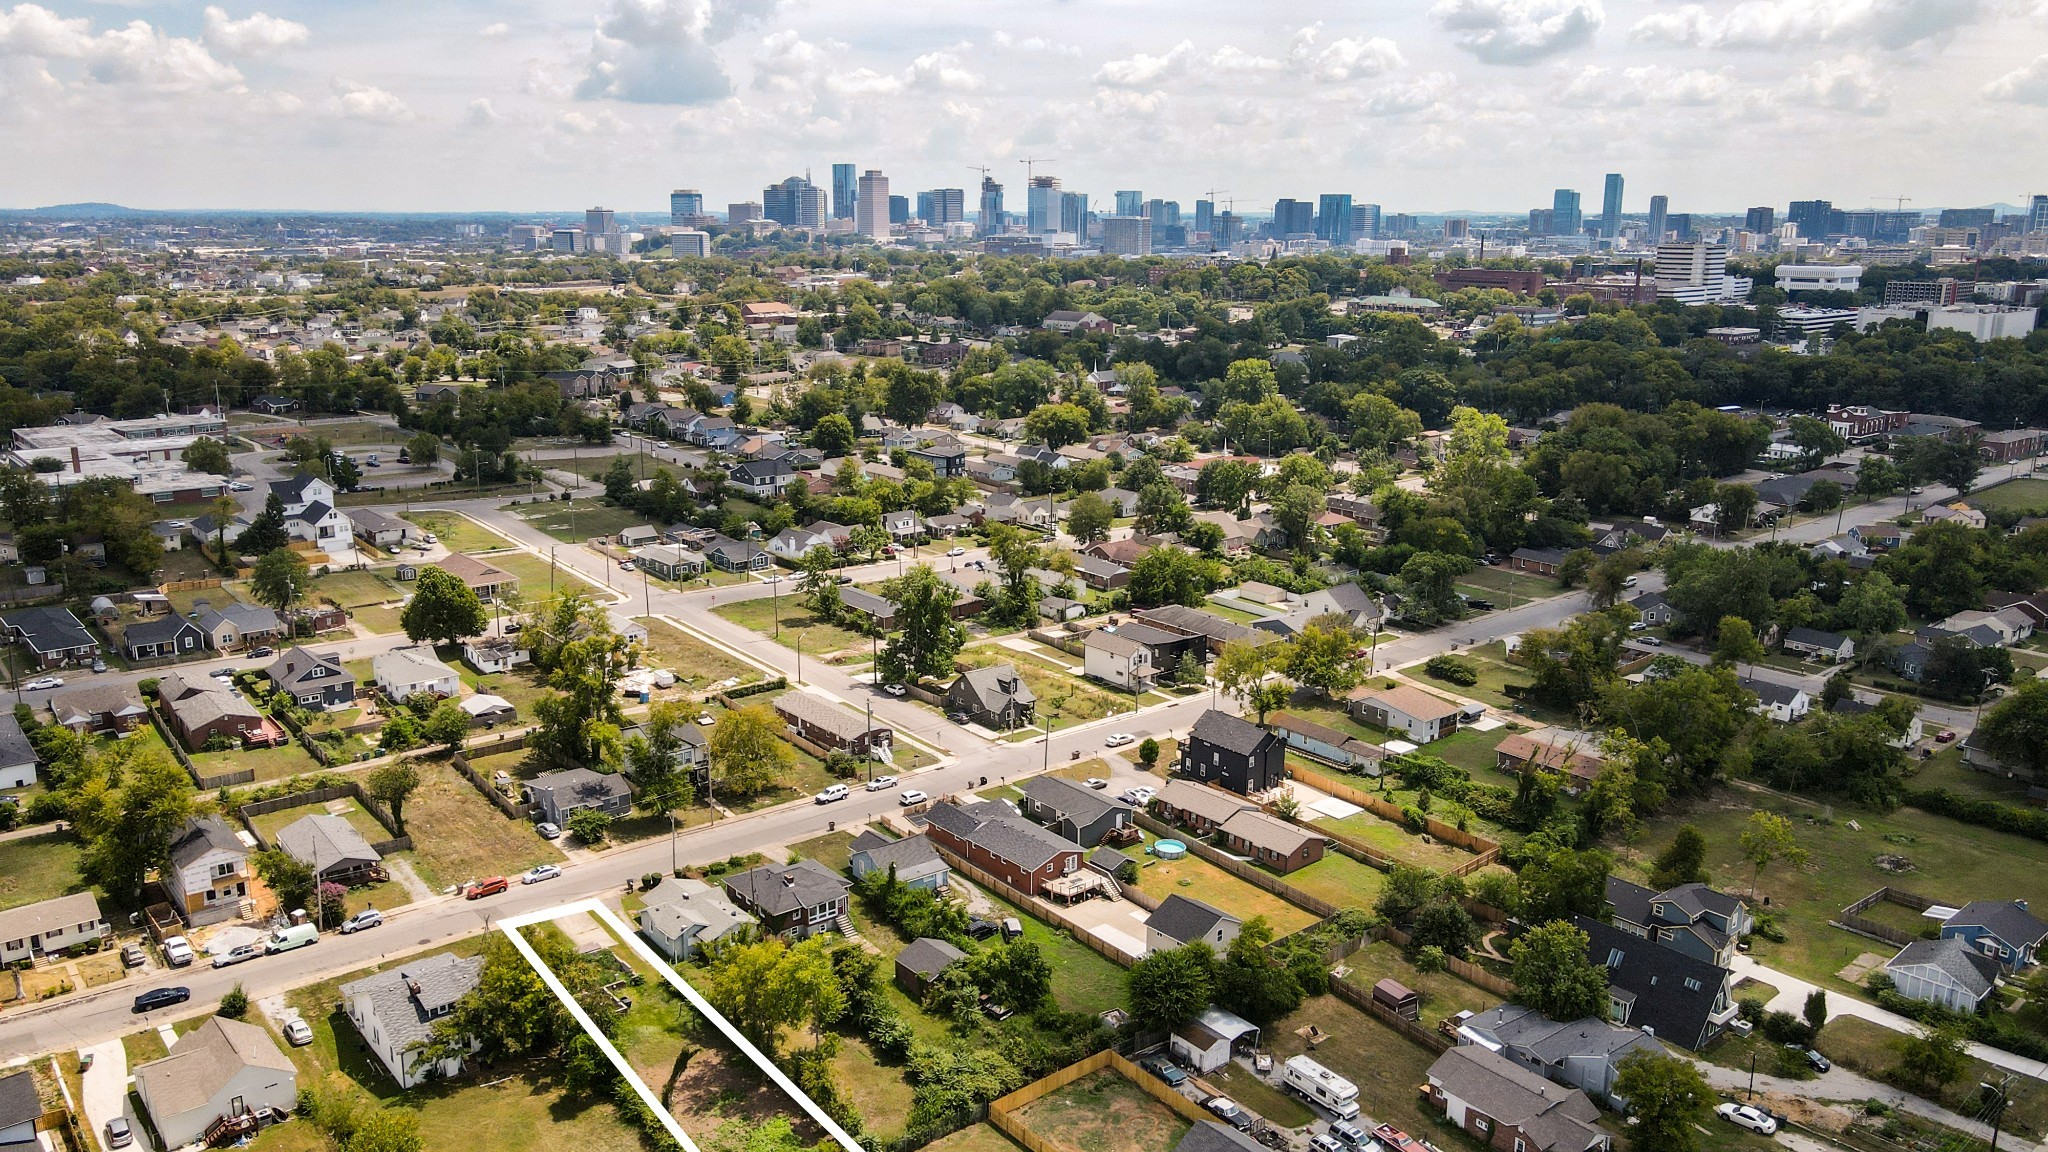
[2029, 822]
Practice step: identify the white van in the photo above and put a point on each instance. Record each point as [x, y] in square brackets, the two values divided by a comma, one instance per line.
[286, 939]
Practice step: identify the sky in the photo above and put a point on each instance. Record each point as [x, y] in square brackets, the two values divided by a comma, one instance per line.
[1424, 106]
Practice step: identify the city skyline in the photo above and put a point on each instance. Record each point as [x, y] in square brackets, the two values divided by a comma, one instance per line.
[1465, 106]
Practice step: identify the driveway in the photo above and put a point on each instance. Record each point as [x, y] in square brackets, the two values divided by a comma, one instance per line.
[106, 1088]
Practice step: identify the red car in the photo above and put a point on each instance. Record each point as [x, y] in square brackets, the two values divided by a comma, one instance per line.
[1947, 734]
[1398, 1141]
[482, 888]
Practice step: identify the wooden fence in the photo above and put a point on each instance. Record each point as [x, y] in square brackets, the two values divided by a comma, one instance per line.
[512, 809]
[1487, 850]
[189, 585]
[1464, 970]
[393, 842]
[1036, 907]
[1885, 932]
[203, 783]
[1361, 998]
[1251, 874]
[1001, 1111]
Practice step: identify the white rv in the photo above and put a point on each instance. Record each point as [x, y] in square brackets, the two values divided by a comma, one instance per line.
[1312, 1081]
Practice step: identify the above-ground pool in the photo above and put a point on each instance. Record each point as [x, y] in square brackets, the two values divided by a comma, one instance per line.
[1169, 849]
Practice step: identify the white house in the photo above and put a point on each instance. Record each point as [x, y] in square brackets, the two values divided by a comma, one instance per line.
[487, 655]
[210, 871]
[1180, 921]
[49, 926]
[17, 756]
[1946, 972]
[407, 672]
[1118, 660]
[681, 915]
[223, 1068]
[1422, 717]
[395, 1010]
[1206, 1042]
[1780, 702]
[310, 513]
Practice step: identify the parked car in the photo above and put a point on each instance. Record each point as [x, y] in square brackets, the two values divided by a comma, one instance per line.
[1652, 641]
[1813, 1058]
[980, 929]
[706, 719]
[1629, 582]
[260, 653]
[1638, 626]
[132, 956]
[911, 796]
[367, 918]
[99, 665]
[297, 1032]
[42, 682]
[178, 951]
[1165, 1069]
[1118, 739]
[627, 565]
[881, 783]
[241, 486]
[156, 998]
[1323, 1143]
[119, 1135]
[548, 830]
[1349, 1133]
[1945, 736]
[1227, 1111]
[895, 689]
[1096, 782]
[1744, 1116]
[540, 872]
[237, 955]
[956, 550]
[831, 793]
[1139, 796]
[1478, 605]
[478, 889]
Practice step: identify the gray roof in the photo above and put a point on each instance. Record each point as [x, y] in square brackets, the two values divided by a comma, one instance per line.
[818, 712]
[864, 601]
[2009, 920]
[64, 912]
[324, 841]
[1211, 804]
[574, 784]
[1107, 859]
[93, 699]
[1695, 899]
[206, 1059]
[291, 669]
[1655, 976]
[1199, 623]
[928, 957]
[14, 746]
[1526, 1030]
[675, 906]
[406, 999]
[49, 629]
[774, 889]
[202, 834]
[1815, 637]
[987, 686]
[157, 630]
[913, 855]
[1269, 832]
[1230, 733]
[1183, 919]
[247, 617]
[1209, 1136]
[18, 1101]
[1976, 972]
[1554, 1116]
[995, 829]
[1769, 693]
[1068, 799]
[1630, 901]
[1114, 643]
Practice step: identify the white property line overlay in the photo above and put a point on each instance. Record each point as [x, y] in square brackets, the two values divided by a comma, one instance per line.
[510, 927]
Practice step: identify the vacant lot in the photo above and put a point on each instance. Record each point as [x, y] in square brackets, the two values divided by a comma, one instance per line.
[1341, 880]
[1104, 1113]
[2027, 497]
[798, 628]
[1201, 880]
[1874, 1051]
[287, 759]
[980, 1138]
[1442, 993]
[38, 867]
[574, 521]
[460, 836]
[354, 589]
[459, 533]
[697, 664]
[1397, 841]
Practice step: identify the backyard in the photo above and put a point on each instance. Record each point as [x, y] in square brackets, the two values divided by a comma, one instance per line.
[1385, 1067]
[38, 867]
[287, 759]
[1341, 880]
[1104, 1112]
[1197, 878]
[268, 824]
[1442, 993]
[2023, 497]
[460, 836]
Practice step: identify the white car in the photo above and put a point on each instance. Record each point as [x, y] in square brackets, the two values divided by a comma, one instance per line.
[548, 830]
[1639, 626]
[367, 918]
[1744, 1116]
[42, 682]
[834, 792]
[661, 443]
[1628, 582]
[540, 872]
[1096, 782]
[1138, 797]
[881, 783]
[911, 796]
[297, 1032]
[177, 524]
[956, 550]
[895, 689]
[241, 486]
[1118, 739]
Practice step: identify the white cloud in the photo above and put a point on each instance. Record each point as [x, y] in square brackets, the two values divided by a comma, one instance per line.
[942, 70]
[1783, 24]
[481, 114]
[1845, 85]
[136, 53]
[1344, 59]
[660, 51]
[1126, 104]
[1519, 31]
[1594, 86]
[1231, 58]
[494, 31]
[1142, 68]
[2024, 85]
[254, 35]
[603, 122]
[365, 102]
[1416, 94]
[1004, 42]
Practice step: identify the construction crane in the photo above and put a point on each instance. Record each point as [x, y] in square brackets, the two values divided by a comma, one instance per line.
[1028, 161]
[981, 168]
[1212, 193]
[1901, 201]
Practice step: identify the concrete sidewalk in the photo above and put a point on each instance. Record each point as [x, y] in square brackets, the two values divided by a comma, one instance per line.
[105, 1088]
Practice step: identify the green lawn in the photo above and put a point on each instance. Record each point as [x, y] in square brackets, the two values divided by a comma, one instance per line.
[1470, 750]
[287, 759]
[798, 629]
[537, 577]
[1874, 1051]
[521, 686]
[1442, 993]
[457, 532]
[2027, 496]
[1231, 608]
[1245, 1088]
[574, 521]
[354, 589]
[832, 849]
[696, 663]
[1341, 880]
[1201, 880]
[460, 836]
[39, 867]
[1063, 698]
[1085, 980]
[1397, 841]
[346, 433]
[1385, 1066]
[1500, 582]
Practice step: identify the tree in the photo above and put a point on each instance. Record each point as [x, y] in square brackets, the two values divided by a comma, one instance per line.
[1226, 484]
[1737, 506]
[1169, 576]
[235, 1003]
[1322, 659]
[930, 637]
[1815, 1010]
[1935, 1059]
[1769, 838]
[1057, 425]
[1817, 439]
[280, 580]
[908, 395]
[127, 803]
[833, 435]
[1683, 861]
[820, 585]
[2016, 728]
[424, 450]
[748, 751]
[1735, 642]
[578, 723]
[768, 985]
[1562, 881]
[1015, 975]
[288, 878]
[653, 758]
[1270, 696]
[1444, 923]
[1251, 979]
[589, 825]
[1295, 511]
[1161, 508]
[387, 1130]
[1554, 974]
[1431, 580]
[1089, 518]
[1668, 1100]
[208, 455]
[443, 609]
[1240, 668]
[1014, 555]
[447, 724]
[1170, 988]
[390, 785]
[1148, 753]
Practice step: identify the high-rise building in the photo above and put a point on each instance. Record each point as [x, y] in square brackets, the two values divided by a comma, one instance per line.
[1164, 213]
[1228, 230]
[1365, 220]
[1333, 217]
[845, 191]
[685, 206]
[1660, 209]
[1130, 203]
[743, 211]
[1813, 217]
[942, 206]
[1074, 214]
[567, 240]
[1680, 226]
[528, 237]
[601, 231]
[1610, 207]
[1760, 220]
[1205, 215]
[1457, 228]
[796, 202]
[1042, 205]
[1400, 224]
[690, 242]
[991, 206]
[2037, 215]
[899, 209]
[1565, 217]
[1542, 222]
[871, 208]
[1697, 273]
[1127, 236]
[1293, 217]
[1968, 217]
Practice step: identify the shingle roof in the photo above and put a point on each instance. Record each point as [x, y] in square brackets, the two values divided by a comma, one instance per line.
[14, 746]
[292, 668]
[473, 572]
[913, 855]
[1211, 804]
[203, 834]
[2008, 919]
[1066, 798]
[779, 888]
[1230, 733]
[157, 630]
[1209, 1136]
[1771, 694]
[1630, 901]
[83, 704]
[205, 1060]
[928, 957]
[818, 712]
[1656, 976]
[1114, 643]
[405, 998]
[60, 912]
[1411, 701]
[1183, 919]
[1976, 972]
[324, 841]
[580, 784]
[49, 629]
[1554, 1116]
[1269, 832]
[18, 1101]
[676, 905]
[1815, 637]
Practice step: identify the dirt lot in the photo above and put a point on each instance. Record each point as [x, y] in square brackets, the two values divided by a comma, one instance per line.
[1104, 1113]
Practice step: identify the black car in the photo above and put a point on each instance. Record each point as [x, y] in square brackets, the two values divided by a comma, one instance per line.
[162, 998]
[981, 929]
[1478, 605]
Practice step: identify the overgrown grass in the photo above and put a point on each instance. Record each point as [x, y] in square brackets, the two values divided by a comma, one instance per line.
[39, 867]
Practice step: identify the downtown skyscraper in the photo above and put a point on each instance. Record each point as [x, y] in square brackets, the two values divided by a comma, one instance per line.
[1610, 207]
[845, 191]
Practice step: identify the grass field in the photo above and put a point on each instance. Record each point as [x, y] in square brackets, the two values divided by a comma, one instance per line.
[287, 759]
[832, 849]
[1341, 880]
[1874, 1051]
[1397, 841]
[697, 664]
[820, 638]
[1385, 1066]
[355, 589]
[1442, 993]
[1064, 698]
[1086, 982]
[460, 836]
[347, 432]
[574, 521]
[536, 576]
[1191, 876]
[1951, 861]
[458, 533]
[2024, 497]
[1242, 1086]
[1104, 1113]
[38, 867]
[980, 1138]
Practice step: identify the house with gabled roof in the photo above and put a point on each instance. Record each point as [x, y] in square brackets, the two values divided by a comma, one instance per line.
[1075, 812]
[316, 680]
[53, 637]
[1196, 807]
[1681, 999]
[796, 900]
[331, 847]
[682, 915]
[1948, 972]
[1234, 753]
[2005, 930]
[487, 580]
[210, 871]
[1182, 920]
[1584, 1054]
[1510, 1108]
[1700, 921]
[994, 697]
[992, 837]
[396, 1011]
[223, 1069]
[916, 862]
[1421, 716]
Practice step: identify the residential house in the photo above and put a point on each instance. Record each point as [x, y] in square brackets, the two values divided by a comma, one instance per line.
[638, 536]
[680, 916]
[1851, 706]
[2004, 930]
[494, 654]
[1278, 844]
[1118, 660]
[1540, 561]
[1584, 1054]
[920, 963]
[1782, 494]
[1169, 647]
[487, 580]
[558, 795]
[1781, 702]
[1234, 753]
[916, 862]
[1962, 514]
[1879, 537]
[904, 526]
[1694, 919]
[1654, 610]
[1101, 575]
[395, 1012]
[1828, 646]
[993, 697]
[1419, 715]
[331, 847]
[1948, 972]
[210, 871]
[729, 555]
[381, 529]
[668, 561]
[1067, 321]
[221, 1069]
[1350, 601]
[1678, 998]
[1198, 808]
[315, 679]
[1075, 812]
[2034, 605]
[947, 457]
[99, 708]
[407, 672]
[1339, 748]
[21, 1109]
[1214, 629]
[201, 710]
[1909, 660]
[796, 901]
[48, 927]
[2011, 625]
[875, 612]
[1573, 756]
[18, 759]
[53, 636]
[310, 513]
[1060, 609]
[1511, 1109]
[237, 625]
[1179, 921]
[163, 638]
[836, 729]
[993, 838]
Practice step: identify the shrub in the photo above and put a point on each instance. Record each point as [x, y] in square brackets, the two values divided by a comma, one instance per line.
[235, 1004]
[1785, 1028]
[1750, 1009]
[1430, 958]
[1452, 669]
